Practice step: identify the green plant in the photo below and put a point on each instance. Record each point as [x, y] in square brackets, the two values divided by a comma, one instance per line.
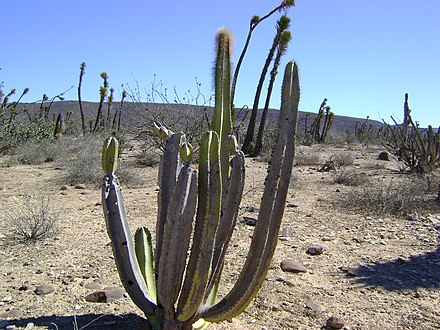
[32, 220]
[419, 149]
[176, 292]
[281, 49]
[317, 133]
[282, 25]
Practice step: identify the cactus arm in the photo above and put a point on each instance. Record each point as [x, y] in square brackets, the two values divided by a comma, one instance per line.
[207, 218]
[176, 239]
[119, 232]
[144, 253]
[168, 170]
[228, 218]
[221, 122]
[265, 235]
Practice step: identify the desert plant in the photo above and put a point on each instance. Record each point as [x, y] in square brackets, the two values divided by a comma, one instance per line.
[419, 149]
[388, 197]
[32, 220]
[282, 25]
[176, 292]
[255, 20]
[348, 177]
[318, 130]
[281, 49]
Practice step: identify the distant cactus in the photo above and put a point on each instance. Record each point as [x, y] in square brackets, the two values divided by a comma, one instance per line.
[176, 292]
[317, 133]
[418, 148]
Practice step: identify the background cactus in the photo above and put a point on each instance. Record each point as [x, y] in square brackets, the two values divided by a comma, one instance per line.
[176, 292]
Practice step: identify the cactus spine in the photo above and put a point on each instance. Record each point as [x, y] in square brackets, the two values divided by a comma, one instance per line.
[176, 292]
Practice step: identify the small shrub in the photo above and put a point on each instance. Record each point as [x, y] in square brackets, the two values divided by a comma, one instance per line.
[36, 152]
[84, 163]
[32, 220]
[348, 177]
[392, 197]
[147, 158]
[343, 159]
[302, 159]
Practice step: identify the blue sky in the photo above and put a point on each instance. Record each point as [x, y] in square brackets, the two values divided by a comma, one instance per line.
[361, 55]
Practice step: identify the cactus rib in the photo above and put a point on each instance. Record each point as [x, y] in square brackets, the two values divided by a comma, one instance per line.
[207, 218]
[265, 235]
[168, 171]
[176, 238]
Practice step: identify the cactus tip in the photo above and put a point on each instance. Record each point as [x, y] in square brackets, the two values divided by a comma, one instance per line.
[110, 150]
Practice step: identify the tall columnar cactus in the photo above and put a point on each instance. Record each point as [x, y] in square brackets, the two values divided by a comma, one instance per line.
[173, 290]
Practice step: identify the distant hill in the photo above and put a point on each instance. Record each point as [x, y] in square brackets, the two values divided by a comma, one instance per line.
[135, 114]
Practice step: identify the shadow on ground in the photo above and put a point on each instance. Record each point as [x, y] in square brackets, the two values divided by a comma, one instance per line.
[86, 322]
[416, 271]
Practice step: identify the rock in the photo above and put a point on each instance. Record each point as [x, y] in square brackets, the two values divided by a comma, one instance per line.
[384, 155]
[335, 322]
[107, 295]
[252, 209]
[249, 221]
[96, 297]
[114, 293]
[80, 186]
[29, 326]
[292, 205]
[24, 287]
[10, 327]
[44, 289]
[292, 266]
[315, 250]
[312, 308]
[65, 187]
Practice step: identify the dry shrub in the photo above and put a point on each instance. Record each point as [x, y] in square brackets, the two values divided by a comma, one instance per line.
[349, 177]
[303, 159]
[343, 159]
[392, 197]
[147, 158]
[32, 220]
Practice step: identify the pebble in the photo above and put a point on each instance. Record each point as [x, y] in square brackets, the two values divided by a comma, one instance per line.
[80, 186]
[315, 250]
[250, 221]
[292, 205]
[44, 289]
[64, 187]
[292, 266]
[335, 322]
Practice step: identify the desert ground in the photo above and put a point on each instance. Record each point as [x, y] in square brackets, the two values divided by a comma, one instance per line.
[377, 270]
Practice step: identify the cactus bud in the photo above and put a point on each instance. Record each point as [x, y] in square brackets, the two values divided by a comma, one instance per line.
[110, 150]
[186, 152]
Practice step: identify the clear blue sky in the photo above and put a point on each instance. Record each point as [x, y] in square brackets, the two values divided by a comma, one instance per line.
[361, 55]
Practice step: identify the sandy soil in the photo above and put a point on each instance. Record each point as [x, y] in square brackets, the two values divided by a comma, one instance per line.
[377, 271]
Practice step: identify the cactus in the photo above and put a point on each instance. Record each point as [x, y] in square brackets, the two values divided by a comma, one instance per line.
[176, 292]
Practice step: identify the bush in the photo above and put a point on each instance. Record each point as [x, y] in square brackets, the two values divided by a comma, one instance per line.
[348, 177]
[14, 134]
[392, 197]
[32, 220]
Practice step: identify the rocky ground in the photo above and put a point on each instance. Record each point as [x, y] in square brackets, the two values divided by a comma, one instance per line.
[366, 269]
